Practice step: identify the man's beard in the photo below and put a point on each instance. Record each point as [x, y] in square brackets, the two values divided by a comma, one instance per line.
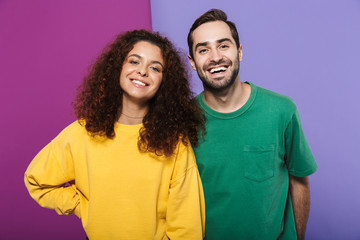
[212, 86]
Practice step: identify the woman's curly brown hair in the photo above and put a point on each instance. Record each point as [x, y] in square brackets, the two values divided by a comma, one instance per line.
[173, 113]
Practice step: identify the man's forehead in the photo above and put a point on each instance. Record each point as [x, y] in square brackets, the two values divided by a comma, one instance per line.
[211, 32]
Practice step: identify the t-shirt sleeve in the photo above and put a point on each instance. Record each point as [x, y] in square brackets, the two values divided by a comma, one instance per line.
[50, 178]
[299, 158]
[186, 206]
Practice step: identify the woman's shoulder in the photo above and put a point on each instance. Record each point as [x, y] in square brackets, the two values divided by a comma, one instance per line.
[185, 152]
[75, 130]
[184, 159]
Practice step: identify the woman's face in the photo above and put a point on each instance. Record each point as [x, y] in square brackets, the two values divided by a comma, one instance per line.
[142, 73]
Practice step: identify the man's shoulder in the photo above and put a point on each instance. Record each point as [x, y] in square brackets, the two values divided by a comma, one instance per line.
[200, 100]
[274, 99]
[199, 96]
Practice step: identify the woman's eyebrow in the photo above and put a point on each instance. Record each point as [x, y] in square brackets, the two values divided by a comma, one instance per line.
[138, 56]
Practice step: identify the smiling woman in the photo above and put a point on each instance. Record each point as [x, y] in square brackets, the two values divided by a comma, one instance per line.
[127, 163]
[140, 79]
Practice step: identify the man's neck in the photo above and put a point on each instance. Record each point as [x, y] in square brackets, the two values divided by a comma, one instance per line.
[228, 100]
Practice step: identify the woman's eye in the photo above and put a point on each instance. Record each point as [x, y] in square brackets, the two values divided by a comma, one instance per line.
[155, 69]
[133, 62]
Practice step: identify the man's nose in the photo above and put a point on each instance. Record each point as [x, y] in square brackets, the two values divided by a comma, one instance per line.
[215, 56]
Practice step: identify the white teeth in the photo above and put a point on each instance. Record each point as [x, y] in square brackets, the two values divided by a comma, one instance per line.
[138, 82]
[217, 69]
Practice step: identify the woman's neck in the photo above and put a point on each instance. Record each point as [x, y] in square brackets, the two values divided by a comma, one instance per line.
[132, 114]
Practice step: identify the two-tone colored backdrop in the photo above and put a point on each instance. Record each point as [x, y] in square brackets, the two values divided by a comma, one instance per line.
[308, 50]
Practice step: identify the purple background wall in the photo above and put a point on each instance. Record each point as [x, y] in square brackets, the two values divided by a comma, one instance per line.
[308, 50]
[45, 50]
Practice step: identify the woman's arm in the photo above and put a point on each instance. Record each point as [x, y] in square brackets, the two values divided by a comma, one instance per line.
[47, 183]
[186, 207]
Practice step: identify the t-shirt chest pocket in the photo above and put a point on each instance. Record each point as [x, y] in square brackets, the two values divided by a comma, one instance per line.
[259, 162]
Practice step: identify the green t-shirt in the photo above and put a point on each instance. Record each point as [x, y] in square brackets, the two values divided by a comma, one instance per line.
[244, 162]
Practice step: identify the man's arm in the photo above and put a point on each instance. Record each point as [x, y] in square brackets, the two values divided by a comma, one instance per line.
[300, 197]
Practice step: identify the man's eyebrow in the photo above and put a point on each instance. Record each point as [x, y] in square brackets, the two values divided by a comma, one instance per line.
[203, 44]
[224, 40]
[138, 56]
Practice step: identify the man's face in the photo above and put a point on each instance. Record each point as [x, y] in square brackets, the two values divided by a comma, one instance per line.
[216, 57]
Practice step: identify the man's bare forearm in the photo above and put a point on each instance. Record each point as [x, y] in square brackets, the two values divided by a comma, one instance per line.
[300, 197]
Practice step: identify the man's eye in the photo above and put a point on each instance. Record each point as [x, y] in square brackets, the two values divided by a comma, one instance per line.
[224, 46]
[202, 51]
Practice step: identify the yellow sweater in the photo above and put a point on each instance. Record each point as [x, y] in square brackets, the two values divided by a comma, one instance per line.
[117, 191]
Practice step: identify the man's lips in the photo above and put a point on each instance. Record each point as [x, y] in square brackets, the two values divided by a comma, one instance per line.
[217, 69]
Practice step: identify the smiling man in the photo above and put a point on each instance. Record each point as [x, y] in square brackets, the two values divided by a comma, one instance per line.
[254, 161]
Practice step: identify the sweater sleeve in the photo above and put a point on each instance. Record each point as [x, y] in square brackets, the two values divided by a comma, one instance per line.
[186, 207]
[50, 178]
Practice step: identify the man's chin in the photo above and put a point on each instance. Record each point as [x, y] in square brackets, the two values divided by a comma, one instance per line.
[216, 87]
